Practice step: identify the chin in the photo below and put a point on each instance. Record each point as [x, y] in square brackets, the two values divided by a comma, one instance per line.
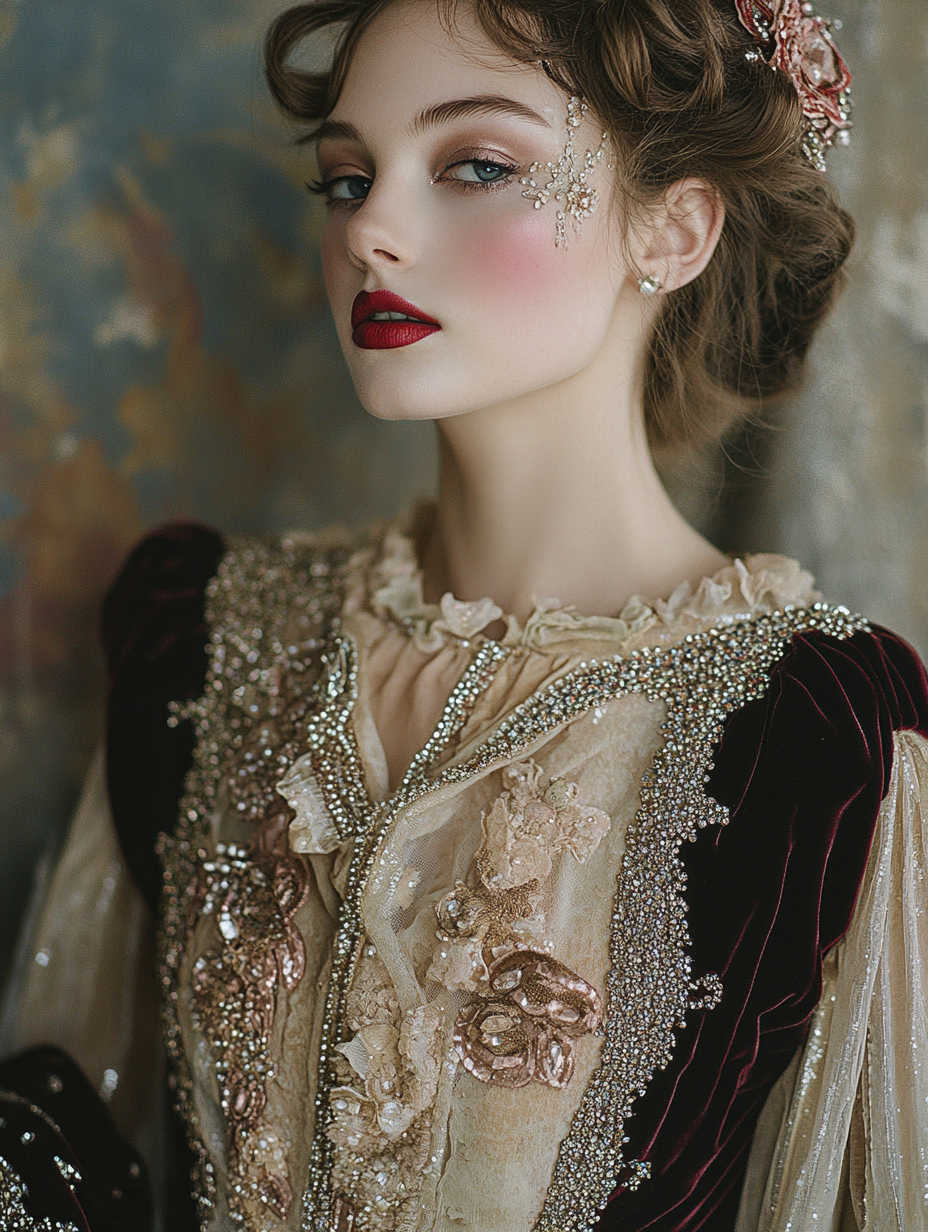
[398, 390]
[384, 400]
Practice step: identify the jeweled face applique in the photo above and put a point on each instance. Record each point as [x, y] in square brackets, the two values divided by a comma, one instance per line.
[567, 179]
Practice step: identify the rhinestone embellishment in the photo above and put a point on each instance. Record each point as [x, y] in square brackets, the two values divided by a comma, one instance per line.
[567, 180]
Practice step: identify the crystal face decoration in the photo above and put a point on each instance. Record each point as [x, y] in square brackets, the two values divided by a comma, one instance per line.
[791, 38]
[567, 179]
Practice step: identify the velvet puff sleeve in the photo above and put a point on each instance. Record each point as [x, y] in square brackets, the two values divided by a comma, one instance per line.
[810, 905]
[155, 638]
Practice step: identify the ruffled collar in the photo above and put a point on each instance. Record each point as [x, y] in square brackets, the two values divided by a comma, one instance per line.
[388, 583]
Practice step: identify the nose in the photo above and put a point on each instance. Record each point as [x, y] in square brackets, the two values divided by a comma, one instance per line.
[379, 233]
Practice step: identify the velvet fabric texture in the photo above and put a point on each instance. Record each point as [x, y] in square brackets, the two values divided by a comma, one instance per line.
[155, 638]
[50, 1112]
[803, 771]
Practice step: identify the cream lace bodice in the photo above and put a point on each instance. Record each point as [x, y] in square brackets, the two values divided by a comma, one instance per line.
[428, 960]
[425, 997]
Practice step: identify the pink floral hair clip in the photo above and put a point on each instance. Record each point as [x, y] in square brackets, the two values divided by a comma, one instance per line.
[791, 38]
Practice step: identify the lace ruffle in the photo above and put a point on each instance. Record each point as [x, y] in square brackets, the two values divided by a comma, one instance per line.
[764, 582]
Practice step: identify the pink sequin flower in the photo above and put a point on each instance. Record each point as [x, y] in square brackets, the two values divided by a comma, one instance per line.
[793, 39]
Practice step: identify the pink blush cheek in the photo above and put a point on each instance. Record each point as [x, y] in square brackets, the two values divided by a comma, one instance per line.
[512, 261]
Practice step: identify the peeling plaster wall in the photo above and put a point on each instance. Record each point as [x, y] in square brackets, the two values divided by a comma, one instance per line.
[846, 482]
[165, 352]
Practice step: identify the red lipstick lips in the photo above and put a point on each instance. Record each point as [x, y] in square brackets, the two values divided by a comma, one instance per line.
[383, 335]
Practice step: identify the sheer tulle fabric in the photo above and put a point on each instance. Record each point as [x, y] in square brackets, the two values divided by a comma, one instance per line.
[853, 1126]
[88, 981]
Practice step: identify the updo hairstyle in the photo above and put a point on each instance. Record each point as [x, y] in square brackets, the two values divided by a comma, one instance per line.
[670, 81]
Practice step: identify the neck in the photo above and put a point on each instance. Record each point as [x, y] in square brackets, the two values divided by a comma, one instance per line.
[556, 496]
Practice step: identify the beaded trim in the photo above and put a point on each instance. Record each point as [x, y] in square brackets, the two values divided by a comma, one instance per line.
[267, 607]
[651, 987]
[371, 831]
[13, 1214]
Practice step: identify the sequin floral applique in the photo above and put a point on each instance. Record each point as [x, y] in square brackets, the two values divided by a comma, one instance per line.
[253, 897]
[491, 937]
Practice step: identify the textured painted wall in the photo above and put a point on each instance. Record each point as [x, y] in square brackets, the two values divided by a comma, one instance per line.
[846, 488]
[165, 352]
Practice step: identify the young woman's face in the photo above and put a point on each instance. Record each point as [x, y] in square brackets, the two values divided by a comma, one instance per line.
[423, 155]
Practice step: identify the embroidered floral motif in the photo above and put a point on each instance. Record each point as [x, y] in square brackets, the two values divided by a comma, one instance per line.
[491, 937]
[799, 44]
[521, 1031]
[389, 1070]
[253, 897]
[527, 827]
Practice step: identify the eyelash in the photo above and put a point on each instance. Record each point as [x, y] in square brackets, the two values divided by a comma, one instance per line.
[324, 188]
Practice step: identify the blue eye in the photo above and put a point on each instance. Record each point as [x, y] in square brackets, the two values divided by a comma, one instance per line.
[488, 172]
[479, 171]
[342, 188]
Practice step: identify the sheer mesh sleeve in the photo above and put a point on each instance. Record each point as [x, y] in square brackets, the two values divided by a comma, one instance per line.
[88, 985]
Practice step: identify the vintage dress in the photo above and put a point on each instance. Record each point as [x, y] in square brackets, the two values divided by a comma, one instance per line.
[562, 965]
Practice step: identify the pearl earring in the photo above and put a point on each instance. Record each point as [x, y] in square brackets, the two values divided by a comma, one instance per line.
[649, 285]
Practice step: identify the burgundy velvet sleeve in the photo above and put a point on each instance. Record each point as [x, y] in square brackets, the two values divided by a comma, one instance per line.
[155, 636]
[803, 771]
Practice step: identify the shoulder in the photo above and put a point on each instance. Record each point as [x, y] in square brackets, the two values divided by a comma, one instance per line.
[155, 637]
[828, 699]
[159, 591]
[185, 599]
[804, 768]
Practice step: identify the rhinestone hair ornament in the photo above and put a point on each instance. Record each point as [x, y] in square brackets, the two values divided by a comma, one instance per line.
[792, 39]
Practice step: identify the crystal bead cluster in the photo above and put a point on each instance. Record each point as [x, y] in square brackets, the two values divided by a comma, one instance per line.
[15, 1217]
[789, 37]
[567, 179]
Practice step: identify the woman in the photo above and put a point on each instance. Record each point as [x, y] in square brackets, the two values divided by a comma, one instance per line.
[434, 952]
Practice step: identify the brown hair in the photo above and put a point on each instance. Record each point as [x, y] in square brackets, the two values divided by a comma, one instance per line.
[670, 81]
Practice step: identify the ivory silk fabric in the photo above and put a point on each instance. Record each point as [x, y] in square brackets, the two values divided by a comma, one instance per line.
[564, 957]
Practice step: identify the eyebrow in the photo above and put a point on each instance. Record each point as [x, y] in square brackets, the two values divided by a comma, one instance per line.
[435, 116]
[480, 104]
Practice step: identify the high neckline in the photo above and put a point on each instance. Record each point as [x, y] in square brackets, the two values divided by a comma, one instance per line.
[387, 581]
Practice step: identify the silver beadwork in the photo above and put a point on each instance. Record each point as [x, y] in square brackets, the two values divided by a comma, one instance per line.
[279, 661]
[567, 178]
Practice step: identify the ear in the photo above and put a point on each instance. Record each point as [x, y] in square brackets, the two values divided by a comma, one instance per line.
[677, 242]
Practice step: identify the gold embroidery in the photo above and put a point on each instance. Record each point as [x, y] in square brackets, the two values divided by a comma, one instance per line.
[253, 900]
[267, 609]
